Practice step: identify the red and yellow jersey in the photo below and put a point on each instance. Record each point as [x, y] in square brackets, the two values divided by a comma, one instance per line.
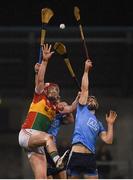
[41, 113]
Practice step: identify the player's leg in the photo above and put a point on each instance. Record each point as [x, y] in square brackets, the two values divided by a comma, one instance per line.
[30, 138]
[82, 164]
[39, 165]
[72, 171]
[74, 177]
[38, 138]
[36, 155]
[61, 175]
[52, 171]
[90, 170]
[44, 139]
[50, 177]
[90, 176]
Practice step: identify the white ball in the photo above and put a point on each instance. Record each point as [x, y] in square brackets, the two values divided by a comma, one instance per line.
[62, 26]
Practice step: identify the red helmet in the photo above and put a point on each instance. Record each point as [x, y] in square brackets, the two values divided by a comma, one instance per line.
[49, 85]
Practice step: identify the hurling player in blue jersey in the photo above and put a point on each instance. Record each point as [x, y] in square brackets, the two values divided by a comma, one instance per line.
[87, 128]
[60, 119]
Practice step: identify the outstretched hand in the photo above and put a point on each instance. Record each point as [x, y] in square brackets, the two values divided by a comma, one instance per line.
[111, 117]
[88, 64]
[47, 53]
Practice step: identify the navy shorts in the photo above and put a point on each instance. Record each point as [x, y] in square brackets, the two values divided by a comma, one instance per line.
[82, 164]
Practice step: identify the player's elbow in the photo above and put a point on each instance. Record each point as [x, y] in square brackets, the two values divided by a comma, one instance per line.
[107, 140]
[73, 108]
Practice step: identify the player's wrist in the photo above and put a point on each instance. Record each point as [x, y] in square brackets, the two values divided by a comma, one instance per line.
[110, 124]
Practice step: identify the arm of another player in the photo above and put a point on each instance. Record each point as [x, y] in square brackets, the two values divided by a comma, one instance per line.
[65, 108]
[107, 136]
[68, 119]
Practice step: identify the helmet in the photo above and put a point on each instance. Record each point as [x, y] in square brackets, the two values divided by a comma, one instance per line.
[48, 85]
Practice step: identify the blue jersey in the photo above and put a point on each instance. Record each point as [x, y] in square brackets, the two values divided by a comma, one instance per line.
[87, 128]
[55, 126]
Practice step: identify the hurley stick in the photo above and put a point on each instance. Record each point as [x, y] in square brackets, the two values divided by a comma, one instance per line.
[46, 15]
[61, 49]
[77, 17]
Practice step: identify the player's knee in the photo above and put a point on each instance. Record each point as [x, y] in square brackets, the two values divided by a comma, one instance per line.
[48, 139]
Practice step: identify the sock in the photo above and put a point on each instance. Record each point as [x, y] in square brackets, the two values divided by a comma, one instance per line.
[54, 155]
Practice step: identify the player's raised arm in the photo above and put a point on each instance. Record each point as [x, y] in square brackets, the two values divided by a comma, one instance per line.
[63, 108]
[85, 83]
[47, 53]
[107, 136]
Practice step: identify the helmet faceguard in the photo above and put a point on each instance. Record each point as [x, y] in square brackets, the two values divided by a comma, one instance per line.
[52, 91]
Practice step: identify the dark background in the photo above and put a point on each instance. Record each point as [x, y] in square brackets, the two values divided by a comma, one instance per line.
[93, 13]
[103, 15]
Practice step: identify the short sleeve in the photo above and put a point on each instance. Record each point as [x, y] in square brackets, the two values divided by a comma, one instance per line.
[101, 127]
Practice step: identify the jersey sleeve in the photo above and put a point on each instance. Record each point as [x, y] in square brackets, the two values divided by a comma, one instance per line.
[80, 106]
[36, 91]
[101, 127]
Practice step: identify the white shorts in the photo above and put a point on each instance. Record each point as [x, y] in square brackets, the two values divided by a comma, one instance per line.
[24, 136]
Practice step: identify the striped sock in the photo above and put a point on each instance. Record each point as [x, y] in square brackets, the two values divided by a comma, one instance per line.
[54, 155]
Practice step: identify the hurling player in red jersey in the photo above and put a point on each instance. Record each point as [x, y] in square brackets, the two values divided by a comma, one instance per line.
[33, 136]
